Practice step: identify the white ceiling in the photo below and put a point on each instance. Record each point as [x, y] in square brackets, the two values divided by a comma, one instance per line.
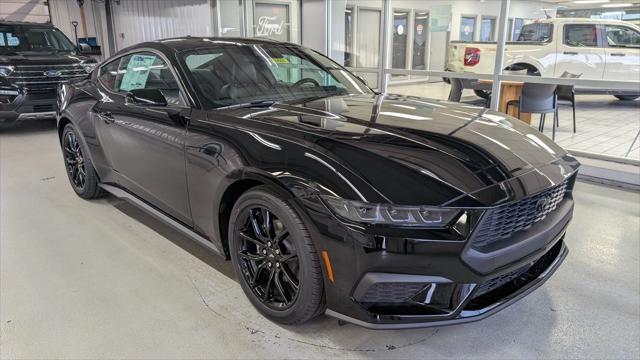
[570, 3]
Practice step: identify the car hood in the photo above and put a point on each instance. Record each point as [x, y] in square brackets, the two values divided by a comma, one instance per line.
[445, 153]
[41, 58]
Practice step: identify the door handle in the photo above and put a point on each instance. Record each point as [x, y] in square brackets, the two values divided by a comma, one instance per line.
[570, 53]
[618, 54]
[107, 117]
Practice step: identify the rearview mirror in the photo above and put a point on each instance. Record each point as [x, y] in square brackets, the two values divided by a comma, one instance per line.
[146, 97]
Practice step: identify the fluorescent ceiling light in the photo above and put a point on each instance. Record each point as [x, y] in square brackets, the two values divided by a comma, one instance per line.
[618, 5]
[590, 1]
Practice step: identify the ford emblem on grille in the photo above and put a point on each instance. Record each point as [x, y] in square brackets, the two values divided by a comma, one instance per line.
[542, 204]
[53, 73]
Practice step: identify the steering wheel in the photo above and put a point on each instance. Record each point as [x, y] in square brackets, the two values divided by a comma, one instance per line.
[305, 81]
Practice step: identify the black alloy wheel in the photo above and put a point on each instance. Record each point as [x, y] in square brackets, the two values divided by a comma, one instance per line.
[74, 160]
[82, 175]
[274, 258]
[269, 259]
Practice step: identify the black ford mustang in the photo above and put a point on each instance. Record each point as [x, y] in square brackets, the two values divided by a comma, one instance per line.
[380, 210]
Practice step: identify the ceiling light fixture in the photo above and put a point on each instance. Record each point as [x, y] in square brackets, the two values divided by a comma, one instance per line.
[590, 1]
[618, 5]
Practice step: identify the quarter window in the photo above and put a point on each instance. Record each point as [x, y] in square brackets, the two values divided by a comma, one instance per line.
[109, 75]
[622, 36]
[580, 35]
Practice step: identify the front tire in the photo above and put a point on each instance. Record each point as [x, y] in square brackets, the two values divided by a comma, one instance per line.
[274, 258]
[80, 171]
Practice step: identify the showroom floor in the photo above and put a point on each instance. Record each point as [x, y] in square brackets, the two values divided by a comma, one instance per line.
[99, 279]
[604, 125]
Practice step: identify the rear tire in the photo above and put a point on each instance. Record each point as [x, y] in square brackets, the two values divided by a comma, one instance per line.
[627, 97]
[82, 176]
[274, 258]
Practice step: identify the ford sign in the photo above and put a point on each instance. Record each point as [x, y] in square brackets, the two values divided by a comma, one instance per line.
[53, 73]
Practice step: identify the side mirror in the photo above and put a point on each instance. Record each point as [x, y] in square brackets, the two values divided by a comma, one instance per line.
[84, 48]
[146, 97]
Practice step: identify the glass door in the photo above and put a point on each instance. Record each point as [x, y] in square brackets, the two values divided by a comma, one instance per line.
[420, 39]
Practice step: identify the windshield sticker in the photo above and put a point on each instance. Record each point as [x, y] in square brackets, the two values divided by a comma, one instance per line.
[137, 72]
[280, 60]
[12, 40]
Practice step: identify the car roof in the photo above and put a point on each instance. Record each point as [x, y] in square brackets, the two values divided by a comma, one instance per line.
[25, 23]
[179, 44]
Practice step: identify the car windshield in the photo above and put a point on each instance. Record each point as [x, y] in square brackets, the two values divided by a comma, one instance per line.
[19, 38]
[536, 32]
[238, 74]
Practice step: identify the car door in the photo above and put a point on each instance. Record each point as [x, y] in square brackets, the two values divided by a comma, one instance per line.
[580, 52]
[145, 144]
[622, 48]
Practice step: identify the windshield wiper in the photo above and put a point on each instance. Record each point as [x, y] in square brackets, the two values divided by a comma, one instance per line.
[252, 104]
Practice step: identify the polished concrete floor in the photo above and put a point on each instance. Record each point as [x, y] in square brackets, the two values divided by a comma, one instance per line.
[98, 279]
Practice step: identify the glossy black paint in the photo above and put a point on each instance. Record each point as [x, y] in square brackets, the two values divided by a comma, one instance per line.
[192, 163]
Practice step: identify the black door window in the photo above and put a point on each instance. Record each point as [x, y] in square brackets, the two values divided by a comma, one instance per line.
[146, 70]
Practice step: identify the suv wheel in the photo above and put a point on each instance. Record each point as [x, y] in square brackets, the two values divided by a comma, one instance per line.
[274, 258]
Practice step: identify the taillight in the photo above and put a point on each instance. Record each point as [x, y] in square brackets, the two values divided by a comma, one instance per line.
[471, 56]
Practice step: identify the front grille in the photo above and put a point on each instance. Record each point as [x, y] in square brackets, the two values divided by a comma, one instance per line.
[44, 108]
[500, 280]
[33, 78]
[391, 292]
[504, 221]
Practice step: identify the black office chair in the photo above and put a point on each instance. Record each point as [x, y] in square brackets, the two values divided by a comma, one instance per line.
[538, 99]
[567, 93]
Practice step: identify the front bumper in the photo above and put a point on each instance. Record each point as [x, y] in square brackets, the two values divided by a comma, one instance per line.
[27, 106]
[389, 278]
[471, 307]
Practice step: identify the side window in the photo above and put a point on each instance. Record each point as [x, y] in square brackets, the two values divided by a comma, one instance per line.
[147, 70]
[622, 36]
[109, 75]
[580, 35]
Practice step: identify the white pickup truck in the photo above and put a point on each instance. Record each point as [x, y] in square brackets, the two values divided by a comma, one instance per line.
[562, 47]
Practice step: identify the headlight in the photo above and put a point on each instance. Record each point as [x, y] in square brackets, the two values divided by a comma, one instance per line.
[391, 214]
[6, 70]
[88, 67]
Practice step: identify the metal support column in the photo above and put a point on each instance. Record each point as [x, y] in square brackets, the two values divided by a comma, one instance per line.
[328, 29]
[502, 38]
[244, 24]
[385, 63]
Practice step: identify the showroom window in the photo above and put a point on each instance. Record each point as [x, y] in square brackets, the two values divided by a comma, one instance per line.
[467, 28]
[420, 40]
[517, 27]
[230, 15]
[348, 36]
[487, 29]
[274, 19]
[400, 28]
